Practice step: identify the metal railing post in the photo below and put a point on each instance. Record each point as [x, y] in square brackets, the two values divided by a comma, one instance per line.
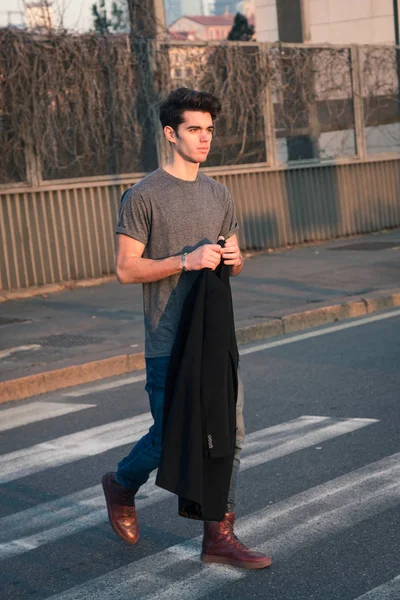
[163, 67]
[268, 112]
[33, 167]
[358, 102]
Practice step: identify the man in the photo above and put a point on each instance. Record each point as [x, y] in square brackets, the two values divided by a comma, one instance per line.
[168, 227]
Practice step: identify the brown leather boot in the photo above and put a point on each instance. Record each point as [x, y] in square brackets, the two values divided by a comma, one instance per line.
[121, 509]
[220, 545]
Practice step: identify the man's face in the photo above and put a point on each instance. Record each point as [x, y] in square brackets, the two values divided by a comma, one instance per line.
[193, 139]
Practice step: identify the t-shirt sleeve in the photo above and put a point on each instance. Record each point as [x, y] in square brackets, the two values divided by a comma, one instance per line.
[133, 217]
[230, 224]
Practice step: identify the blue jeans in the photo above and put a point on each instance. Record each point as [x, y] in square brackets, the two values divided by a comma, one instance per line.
[134, 470]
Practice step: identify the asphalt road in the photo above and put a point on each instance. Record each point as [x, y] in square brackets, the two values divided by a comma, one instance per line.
[319, 489]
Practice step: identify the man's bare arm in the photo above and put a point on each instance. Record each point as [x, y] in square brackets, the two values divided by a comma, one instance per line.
[132, 268]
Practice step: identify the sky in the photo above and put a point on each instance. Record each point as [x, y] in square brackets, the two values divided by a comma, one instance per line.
[77, 14]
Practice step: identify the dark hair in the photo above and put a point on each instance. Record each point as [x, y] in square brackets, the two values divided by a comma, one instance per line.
[185, 99]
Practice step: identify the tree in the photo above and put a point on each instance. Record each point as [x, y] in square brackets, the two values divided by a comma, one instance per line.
[119, 21]
[241, 30]
[147, 20]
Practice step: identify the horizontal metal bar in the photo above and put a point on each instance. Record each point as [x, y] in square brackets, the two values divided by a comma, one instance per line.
[250, 44]
[127, 178]
[305, 45]
[84, 182]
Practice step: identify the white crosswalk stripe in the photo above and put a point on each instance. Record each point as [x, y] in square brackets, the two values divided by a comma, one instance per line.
[72, 447]
[387, 591]
[305, 440]
[37, 411]
[176, 572]
[283, 528]
[96, 440]
[59, 518]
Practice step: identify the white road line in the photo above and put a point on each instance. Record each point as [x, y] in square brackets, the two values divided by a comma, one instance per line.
[73, 518]
[106, 386]
[79, 504]
[37, 411]
[317, 333]
[243, 352]
[365, 492]
[65, 516]
[305, 441]
[9, 351]
[154, 574]
[207, 579]
[387, 591]
[69, 448]
[284, 529]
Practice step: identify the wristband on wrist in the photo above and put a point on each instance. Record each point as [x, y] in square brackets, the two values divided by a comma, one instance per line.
[184, 261]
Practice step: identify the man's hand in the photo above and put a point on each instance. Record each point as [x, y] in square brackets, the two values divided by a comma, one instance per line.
[231, 252]
[207, 256]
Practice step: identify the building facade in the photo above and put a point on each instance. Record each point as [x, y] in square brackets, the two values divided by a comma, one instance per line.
[204, 28]
[220, 7]
[327, 21]
[39, 16]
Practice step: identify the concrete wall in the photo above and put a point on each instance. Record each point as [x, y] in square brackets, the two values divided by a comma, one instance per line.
[266, 21]
[290, 22]
[352, 22]
[334, 21]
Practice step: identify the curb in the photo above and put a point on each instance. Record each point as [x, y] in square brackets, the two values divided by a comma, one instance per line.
[54, 288]
[50, 381]
[299, 321]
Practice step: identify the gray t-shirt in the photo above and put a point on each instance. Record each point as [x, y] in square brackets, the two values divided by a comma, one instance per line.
[172, 216]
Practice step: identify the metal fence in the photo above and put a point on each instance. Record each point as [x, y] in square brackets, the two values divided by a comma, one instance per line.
[308, 144]
[290, 103]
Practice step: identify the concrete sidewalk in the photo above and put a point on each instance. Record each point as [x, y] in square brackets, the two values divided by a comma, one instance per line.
[52, 341]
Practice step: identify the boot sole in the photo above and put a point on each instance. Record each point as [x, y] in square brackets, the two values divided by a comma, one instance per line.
[126, 540]
[207, 558]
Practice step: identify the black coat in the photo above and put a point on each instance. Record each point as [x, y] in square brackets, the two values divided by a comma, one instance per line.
[200, 401]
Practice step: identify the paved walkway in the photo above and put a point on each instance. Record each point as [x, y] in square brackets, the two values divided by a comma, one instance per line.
[102, 325]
